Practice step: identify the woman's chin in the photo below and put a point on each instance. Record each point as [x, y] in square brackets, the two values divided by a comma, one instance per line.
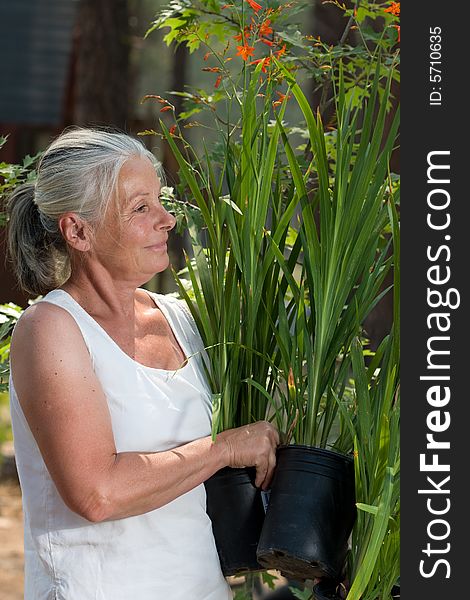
[156, 266]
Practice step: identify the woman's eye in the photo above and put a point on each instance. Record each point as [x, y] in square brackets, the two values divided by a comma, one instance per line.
[141, 208]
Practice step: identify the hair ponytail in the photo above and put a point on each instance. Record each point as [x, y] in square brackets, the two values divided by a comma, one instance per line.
[37, 257]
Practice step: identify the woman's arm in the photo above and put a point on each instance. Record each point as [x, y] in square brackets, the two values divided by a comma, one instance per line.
[67, 412]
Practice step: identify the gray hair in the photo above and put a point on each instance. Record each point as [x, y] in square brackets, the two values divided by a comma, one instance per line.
[77, 173]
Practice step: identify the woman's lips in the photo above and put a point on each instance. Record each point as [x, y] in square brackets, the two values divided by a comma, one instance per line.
[162, 246]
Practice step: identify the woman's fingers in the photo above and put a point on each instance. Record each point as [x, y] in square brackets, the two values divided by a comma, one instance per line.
[265, 475]
[265, 470]
[260, 475]
[277, 438]
[253, 445]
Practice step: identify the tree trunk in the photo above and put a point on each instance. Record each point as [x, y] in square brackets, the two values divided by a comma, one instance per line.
[328, 22]
[102, 64]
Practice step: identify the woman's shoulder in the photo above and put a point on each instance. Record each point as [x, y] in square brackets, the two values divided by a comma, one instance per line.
[41, 313]
[43, 321]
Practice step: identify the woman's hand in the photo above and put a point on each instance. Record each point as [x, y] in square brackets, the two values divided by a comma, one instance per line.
[253, 445]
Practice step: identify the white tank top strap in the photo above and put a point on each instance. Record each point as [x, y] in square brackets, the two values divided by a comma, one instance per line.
[183, 325]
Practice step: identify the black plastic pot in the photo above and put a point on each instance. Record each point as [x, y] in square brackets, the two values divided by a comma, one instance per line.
[310, 515]
[236, 510]
[327, 589]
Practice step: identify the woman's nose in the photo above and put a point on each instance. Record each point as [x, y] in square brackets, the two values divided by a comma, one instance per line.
[165, 220]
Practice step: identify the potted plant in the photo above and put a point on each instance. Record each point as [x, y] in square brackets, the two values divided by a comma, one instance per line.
[245, 198]
[265, 353]
[312, 509]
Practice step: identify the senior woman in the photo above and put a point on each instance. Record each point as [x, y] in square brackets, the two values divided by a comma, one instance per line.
[111, 435]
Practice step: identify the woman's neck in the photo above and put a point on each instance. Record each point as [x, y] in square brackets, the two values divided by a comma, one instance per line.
[101, 295]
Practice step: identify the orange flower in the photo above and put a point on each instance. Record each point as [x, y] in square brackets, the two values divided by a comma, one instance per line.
[206, 56]
[281, 51]
[217, 81]
[267, 42]
[265, 29]
[266, 62]
[172, 130]
[282, 97]
[245, 51]
[394, 9]
[397, 27]
[254, 5]
[165, 108]
[155, 97]
[246, 34]
[212, 69]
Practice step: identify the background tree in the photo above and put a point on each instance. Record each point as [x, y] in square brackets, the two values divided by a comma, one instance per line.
[102, 83]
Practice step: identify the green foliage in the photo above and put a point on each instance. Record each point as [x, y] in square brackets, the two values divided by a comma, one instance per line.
[269, 579]
[302, 594]
[9, 315]
[13, 175]
[245, 267]
[374, 424]
[342, 269]
[193, 22]
[211, 21]
[235, 283]
[222, 28]
[370, 37]
[249, 588]
[5, 422]
[291, 249]
[199, 100]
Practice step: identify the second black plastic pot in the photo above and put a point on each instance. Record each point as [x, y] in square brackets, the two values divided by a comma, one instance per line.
[236, 510]
[327, 589]
[310, 515]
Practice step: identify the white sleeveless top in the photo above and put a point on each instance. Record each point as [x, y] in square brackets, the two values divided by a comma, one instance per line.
[166, 554]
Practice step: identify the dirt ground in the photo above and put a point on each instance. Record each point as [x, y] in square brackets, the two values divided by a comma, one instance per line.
[11, 541]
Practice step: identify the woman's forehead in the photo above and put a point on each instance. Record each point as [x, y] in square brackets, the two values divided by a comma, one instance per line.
[138, 166]
[137, 176]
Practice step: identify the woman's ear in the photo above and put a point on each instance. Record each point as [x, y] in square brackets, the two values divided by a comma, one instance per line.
[75, 231]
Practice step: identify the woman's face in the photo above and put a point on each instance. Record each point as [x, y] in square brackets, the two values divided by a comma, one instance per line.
[131, 244]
